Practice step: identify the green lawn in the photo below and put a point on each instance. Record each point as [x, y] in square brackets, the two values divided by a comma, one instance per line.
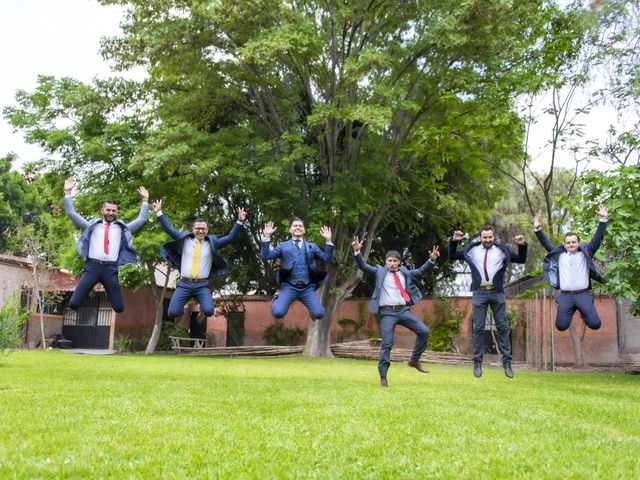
[74, 416]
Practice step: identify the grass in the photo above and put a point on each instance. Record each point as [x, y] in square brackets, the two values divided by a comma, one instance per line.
[78, 416]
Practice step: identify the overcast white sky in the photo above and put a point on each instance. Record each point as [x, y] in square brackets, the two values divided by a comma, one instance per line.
[48, 37]
[62, 38]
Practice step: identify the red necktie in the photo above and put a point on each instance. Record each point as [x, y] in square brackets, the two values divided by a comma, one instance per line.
[486, 273]
[106, 238]
[403, 292]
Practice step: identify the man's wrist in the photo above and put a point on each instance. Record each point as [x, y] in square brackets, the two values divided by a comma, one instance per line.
[356, 252]
[158, 213]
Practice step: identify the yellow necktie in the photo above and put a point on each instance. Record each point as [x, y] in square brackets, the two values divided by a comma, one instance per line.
[196, 260]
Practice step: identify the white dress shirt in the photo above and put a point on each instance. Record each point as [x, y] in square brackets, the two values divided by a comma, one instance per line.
[495, 261]
[96, 242]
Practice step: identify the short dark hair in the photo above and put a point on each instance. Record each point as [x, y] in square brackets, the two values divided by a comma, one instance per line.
[487, 228]
[392, 253]
[295, 219]
[199, 220]
[110, 202]
[571, 234]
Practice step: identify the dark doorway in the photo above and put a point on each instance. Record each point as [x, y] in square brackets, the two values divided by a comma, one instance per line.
[235, 329]
[90, 325]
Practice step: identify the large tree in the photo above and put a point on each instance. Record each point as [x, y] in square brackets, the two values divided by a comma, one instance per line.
[359, 114]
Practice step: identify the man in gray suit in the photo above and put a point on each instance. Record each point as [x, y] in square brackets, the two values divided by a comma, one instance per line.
[392, 297]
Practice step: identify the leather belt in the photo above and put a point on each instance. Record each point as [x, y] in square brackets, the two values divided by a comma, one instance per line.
[392, 307]
[300, 283]
[193, 280]
[487, 287]
[575, 292]
[101, 262]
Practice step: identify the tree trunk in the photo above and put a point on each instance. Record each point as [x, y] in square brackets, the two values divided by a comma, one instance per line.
[319, 332]
[158, 295]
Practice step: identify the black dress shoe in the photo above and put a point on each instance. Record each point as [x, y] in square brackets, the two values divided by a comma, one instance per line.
[417, 365]
[477, 369]
[508, 371]
[383, 382]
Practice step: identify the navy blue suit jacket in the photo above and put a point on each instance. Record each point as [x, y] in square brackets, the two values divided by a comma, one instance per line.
[380, 271]
[285, 251]
[172, 251]
[476, 276]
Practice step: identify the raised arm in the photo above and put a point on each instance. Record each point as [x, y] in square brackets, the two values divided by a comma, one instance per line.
[356, 245]
[596, 240]
[434, 254]
[521, 256]
[232, 236]
[267, 253]
[325, 255]
[136, 224]
[164, 221]
[454, 254]
[542, 238]
[75, 217]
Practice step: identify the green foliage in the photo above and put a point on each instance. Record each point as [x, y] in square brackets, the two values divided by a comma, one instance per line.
[447, 322]
[619, 191]
[516, 315]
[169, 329]
[279, 334]
[210, 417]
[13, 317]
[124, 344]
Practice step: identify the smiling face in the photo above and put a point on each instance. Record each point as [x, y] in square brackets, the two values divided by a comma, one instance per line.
[487, 238]
[200, 230]
[571, 243]
[297, 229]
[109, 212]
[392, 263]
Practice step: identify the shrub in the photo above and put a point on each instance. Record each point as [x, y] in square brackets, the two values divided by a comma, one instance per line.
[447, 322]
[278, 334]
[13, 317]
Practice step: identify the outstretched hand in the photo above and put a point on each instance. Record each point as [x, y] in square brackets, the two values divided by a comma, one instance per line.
[157, 205]
[603, 211]
[434, 253]
[537, 223]
[69, 183]
[519, 239]
[242, 214]
[325, 232]
[144, 193]
[269, 229]
[457, 235]
[356, 244]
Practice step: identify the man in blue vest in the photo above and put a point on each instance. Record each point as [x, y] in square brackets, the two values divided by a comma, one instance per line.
[488, 261]
[392, 297]
[570, 269]
[194, 255]
[299, 276]
[105, 244]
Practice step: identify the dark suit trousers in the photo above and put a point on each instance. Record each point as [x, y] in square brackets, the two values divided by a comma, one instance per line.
[568, 303]
[93, 273]
[482, 300]
[388, 321]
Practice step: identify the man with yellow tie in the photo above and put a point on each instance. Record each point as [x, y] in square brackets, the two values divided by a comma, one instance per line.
[194, 255]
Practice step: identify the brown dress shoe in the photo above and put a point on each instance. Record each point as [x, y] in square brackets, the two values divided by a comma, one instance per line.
[417, 365]
[383, 382]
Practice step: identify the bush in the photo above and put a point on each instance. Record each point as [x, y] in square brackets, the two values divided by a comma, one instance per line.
[447, 323]
[169, 329]
[13, 317]
[278, 334]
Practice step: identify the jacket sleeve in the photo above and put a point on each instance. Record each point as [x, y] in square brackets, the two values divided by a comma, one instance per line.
[362, 265]
[78, 219]
[544, 241]
[167, 227]
[268, 253]
[232, 236]
[454, 253]
[419, 272]
[521, 256]
[326, 256]
[596, 240]
[135, 225]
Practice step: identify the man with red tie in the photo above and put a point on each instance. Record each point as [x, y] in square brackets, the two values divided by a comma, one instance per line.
[488, 260]
[105, 244]
[392, 297]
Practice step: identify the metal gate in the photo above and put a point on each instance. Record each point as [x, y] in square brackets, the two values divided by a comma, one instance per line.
[90, 325]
